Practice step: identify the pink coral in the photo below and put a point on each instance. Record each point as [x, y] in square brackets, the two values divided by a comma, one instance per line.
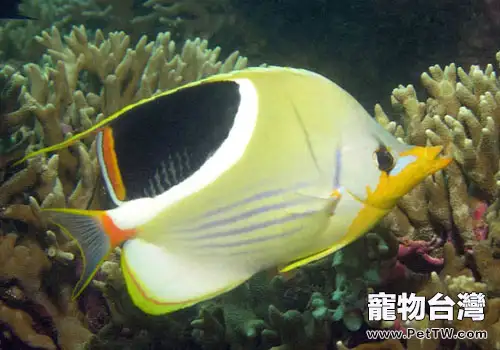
[412, 257]
[479, 224]
[410, 249]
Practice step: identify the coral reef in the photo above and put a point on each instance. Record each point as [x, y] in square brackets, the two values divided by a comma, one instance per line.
[267, 311]
[459, 205]
[442, 237]
[77, 82]
[462, 115]
[116, 75]
[186, 18]
[24, 268]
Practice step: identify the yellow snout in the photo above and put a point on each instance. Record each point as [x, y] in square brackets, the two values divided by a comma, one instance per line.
[425, 161]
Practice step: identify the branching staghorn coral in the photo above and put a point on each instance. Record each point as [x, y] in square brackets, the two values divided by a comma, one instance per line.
[83, 78]
[17, 37]
[116, 75]
[79, 81]
[187, 18]
[461, 113]
[38, 255]
[455, 278]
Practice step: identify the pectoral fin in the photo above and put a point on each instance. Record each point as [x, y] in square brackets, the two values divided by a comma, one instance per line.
[332, 200]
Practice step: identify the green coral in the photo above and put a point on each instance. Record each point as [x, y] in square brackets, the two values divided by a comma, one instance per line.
[357, 267]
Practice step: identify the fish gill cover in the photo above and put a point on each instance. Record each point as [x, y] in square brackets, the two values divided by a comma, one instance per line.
[81, 60]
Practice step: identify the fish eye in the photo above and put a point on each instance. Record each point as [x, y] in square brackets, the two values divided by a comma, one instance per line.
[384, 159]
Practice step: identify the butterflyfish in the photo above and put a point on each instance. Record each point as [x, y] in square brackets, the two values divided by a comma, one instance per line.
[234, 174]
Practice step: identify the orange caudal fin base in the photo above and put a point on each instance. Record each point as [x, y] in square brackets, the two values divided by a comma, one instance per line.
[95, 234]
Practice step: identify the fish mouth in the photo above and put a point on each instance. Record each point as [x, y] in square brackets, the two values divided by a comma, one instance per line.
[434, 158]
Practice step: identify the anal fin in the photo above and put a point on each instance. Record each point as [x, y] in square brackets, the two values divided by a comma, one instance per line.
[304, 261]
[162, 282]
[314, 257]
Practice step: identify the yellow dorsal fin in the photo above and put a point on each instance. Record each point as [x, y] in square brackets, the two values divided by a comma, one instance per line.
[117, 114]
[58, 146]
[95, 128]
[72, 140]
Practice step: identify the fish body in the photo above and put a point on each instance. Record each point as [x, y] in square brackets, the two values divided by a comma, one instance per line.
[235, 174]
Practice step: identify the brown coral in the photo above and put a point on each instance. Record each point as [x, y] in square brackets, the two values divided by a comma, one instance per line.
[456, 278]
[26, 264]
[21, 325]
[56, 95]
[79, 81]
[461, 113]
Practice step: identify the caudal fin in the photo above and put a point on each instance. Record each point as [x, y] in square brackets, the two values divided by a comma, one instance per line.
[88, 229]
